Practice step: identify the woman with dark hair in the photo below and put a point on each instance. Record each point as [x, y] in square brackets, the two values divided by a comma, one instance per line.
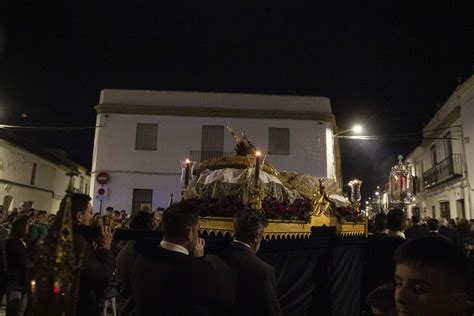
[15, 253]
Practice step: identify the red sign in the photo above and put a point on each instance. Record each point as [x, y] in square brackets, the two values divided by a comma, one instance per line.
[103, 178]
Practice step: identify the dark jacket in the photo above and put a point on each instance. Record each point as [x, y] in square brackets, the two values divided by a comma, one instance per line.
[416, 231]
[450, 234]
[96, 270]
[166, 282]
[15, 254]
[249, 279]
[381, 261]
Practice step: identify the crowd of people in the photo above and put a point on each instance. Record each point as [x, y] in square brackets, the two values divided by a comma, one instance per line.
[418, 266]
[411, 267]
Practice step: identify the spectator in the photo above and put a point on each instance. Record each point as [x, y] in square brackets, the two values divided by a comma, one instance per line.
[170, 279]
[431, 278]
[380, 223]
[416, 230]
[381, 300]
[251, 282]
[381, 263]
[109, 211]
[433, 227]
[39, 229]
[157, 216]
[123, 214]
[97, 266]
[125, 260]
[3, 239]
[447, 232]
[106, 220]
[15, 253]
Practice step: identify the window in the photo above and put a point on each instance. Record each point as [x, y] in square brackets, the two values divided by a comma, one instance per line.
[81, 184]
[444, 210]
[448, 145]
[434, 157]
[86, 190]
[212, 142]
[433, 211]
[278, 141]
[33, 174]
[142, 200]
[146, 137]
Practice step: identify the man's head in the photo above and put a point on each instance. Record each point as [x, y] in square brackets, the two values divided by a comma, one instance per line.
[141, 220]
[431, 278]
[380, 222]
[81, 208]
[180, 225]
[415, 219]
[432, 224]
[396, 220]
[109, 210]
[249, 225]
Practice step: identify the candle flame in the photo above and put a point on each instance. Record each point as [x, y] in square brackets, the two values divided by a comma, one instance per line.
[188, 161]
[258, 153]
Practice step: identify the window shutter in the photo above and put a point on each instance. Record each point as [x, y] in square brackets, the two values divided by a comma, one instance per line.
[278, 141]
[146, 137]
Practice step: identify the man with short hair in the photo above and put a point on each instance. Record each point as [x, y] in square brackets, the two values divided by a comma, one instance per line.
[251, 281]
[433, 227]
[431, 278]
[96, 266]
[416, 230]
[381, 262]
[169, 278]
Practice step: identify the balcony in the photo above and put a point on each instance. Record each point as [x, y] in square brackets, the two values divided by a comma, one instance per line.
[199, 156]
[445, 170]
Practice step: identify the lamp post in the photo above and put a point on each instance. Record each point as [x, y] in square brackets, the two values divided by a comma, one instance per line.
[356, 129]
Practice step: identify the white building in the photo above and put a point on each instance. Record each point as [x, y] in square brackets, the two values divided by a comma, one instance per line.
[142, 136]
[444, 162]
[31, 174]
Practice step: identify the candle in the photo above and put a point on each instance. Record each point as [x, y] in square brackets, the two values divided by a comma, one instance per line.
[257, 167]
[33, 286]
[187, 173]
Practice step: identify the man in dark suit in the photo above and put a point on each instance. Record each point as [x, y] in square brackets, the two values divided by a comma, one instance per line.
[98, 265]
[416, 230]
[447, 231]
[250, 280]
[171, 277]
[381, 260]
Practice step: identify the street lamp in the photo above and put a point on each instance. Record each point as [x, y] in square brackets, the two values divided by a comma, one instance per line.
[356, 129]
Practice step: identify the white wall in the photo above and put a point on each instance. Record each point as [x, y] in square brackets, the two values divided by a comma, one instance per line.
[467, 115]
[16, 165]
[114, 151]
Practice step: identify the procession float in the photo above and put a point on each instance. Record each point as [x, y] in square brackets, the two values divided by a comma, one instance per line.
[292, 202]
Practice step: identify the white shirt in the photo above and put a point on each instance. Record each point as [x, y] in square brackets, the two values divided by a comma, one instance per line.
[239, 242]
[173, 247]
[396, 234]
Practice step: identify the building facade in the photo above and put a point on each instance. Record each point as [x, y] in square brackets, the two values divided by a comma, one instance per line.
[142, 136]
[38, 177]
[444, 163]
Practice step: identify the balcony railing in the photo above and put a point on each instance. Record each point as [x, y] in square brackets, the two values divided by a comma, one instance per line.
[199, 156]
[448, 168]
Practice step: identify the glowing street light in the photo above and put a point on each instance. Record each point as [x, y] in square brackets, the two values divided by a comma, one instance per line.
[356, 129]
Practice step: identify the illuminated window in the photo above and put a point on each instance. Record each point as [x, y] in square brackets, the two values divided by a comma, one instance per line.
[142, 200]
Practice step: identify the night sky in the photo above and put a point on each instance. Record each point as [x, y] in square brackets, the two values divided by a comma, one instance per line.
[383, 65]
